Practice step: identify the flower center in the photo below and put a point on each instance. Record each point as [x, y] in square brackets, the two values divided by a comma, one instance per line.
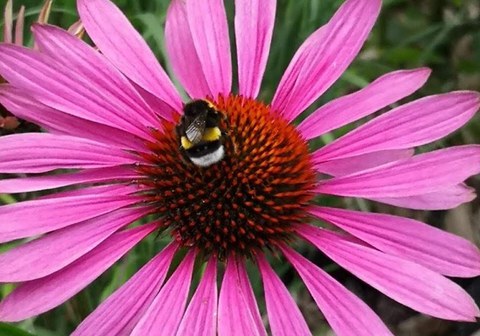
[245, 201]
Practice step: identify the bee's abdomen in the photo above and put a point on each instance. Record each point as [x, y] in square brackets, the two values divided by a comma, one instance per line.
[203, 149]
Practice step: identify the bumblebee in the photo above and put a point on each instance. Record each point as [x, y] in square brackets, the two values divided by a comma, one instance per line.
[200, 136]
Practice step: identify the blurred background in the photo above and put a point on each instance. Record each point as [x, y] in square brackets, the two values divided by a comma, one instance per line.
[441, 34]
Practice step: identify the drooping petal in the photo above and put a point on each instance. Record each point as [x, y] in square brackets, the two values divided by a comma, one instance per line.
[125, 48]
[382, 92]
[404, 281]
[39, 216]
[254, 20]
[426, 245]
[200, 319]
[414, 124]
[421, 174]
[89, 64]
[119, 313]
[19, 26]
[45, 11]
[38, 296]
[209, 28]
[20, 104]
[324, 56]
[77, 29]
[358, 163]
[57, 86]
[442, 199]
[163, 316]
[42, 152]
[237, 314]
[346, 313]
[8, 22]
[283, 314]
[54, 251]
[35, 183]
[181, 50]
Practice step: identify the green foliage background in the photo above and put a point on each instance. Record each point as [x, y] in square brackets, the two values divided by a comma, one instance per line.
[441, 34]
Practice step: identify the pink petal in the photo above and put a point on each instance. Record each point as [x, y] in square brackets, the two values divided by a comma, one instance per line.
[62, 88]
[404, 281]
[181, 50]
[156, 104]
[414, 124]
[25, 107]
[105, 190]
[19, 26]
[89, 64]
[44, 14]
[39, 216]
[237, 309]
[445, 198]
[38, 296]
[249, 296]
[8, 22]
[200, 319]
[358, 163]
[346, 313]
[42, 152]
[435, 249]
[118, 40]
[324, 56]
[120, 312]
[424, 173]
[209, 28]
[35, 183]
[125, 48]
[76, 28]
[384, 91]
[254, 21]
[54, 251]
[283, 314]
[165, 313]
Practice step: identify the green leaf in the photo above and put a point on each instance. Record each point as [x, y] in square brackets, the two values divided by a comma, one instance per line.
[7, 199]
[10, 330]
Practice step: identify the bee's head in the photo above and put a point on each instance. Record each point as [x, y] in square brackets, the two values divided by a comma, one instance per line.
[196, 107]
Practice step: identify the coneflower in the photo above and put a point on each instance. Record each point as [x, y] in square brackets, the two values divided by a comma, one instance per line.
[230, 178]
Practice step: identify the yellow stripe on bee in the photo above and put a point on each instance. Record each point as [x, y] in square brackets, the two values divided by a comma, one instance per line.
[185, 143]
[212, 134]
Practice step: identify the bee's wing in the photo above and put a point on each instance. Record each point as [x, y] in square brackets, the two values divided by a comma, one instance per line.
[195, 129]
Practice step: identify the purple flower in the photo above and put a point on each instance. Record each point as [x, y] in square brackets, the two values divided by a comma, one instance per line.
[115, 118]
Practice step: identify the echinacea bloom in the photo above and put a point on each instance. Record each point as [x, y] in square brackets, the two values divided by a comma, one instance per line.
[112, 119]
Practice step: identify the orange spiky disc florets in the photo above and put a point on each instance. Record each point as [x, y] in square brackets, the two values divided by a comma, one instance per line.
[245, 202]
